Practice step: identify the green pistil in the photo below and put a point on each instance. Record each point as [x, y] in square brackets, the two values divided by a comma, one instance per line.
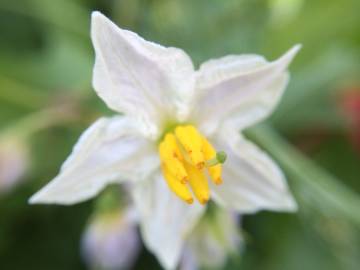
[218, 159]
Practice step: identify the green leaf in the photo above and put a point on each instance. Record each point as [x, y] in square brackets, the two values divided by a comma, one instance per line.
[314, 188]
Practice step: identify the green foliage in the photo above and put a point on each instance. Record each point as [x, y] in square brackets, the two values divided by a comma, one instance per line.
[45, 66]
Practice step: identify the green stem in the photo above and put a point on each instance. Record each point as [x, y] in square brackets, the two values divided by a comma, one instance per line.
[37, 121]
[52, 13]
[313, 186]
[19, 94]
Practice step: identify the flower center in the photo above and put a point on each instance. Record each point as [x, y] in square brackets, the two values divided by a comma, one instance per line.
[187, 158]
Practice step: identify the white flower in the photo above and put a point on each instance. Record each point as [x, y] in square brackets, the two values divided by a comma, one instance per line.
[111, 240]
[161, 94]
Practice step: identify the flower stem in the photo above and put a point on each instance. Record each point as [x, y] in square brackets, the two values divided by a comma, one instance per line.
[19, 94]
[37, 121]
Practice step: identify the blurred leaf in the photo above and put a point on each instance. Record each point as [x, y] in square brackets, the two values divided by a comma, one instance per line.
[316, 85]
[329, 209]
[66, 15]
[314, 188]
[20, 94]
[63, 62]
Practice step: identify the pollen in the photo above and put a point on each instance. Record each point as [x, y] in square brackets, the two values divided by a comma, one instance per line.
[187, 161]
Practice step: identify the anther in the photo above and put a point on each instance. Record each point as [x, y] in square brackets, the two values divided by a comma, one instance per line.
[170, 155]
[181, 190]
[191, 141]
[198, 183]
[184, 155]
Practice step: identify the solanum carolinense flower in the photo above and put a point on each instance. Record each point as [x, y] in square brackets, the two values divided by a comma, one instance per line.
[164, 144]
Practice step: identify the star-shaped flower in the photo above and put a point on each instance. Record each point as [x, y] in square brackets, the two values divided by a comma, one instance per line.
[164, 145]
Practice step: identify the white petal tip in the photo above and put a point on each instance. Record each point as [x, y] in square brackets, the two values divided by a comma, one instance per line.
[290, 54]
[32, 201]
[289, 205]
[38, 198]
[293, 206]
[44, 196]
[96, 15]
[296, 48]
[35, 200]
[98, 21]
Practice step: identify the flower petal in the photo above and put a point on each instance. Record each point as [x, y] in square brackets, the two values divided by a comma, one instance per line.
[165, 219]
[144, 80]
[244, 88]
[110, 150]
[215, 238]
[188, 260]
[252, 181]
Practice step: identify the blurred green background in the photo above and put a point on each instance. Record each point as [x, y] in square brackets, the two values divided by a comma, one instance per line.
[46, 101]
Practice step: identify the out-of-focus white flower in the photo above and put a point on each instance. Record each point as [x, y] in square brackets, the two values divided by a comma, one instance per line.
[162, 143]
[111, 240]
[14, 161]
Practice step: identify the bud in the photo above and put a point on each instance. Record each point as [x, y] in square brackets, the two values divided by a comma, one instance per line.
[14, 161]
[111, 240]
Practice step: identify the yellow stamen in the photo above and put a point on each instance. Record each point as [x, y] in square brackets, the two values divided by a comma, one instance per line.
[198, 183]
[184, 154]
[191, 140]
[210, 153]
[171, 156]
[178, 188]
